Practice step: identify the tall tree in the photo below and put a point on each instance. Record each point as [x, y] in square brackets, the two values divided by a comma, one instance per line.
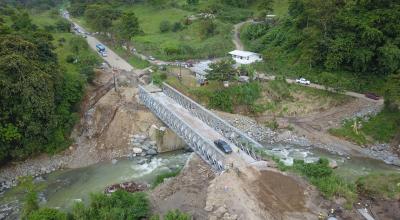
[127, 27]
[222, 70]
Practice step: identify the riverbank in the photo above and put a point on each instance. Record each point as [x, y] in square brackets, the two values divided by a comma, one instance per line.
[113, 125]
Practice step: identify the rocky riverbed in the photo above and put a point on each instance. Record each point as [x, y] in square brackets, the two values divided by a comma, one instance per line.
[267, 136]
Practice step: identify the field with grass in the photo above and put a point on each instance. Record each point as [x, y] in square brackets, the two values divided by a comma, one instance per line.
[380, 128]
[188, 42]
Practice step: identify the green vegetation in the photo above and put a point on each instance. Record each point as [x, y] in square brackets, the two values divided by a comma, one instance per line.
[158, 77]
[119, 205]
[132, 59]
[40, 90]
[380, 185]
[161, 177]
[322, 176]
[323, 40]
[173, 215]
[382, 128]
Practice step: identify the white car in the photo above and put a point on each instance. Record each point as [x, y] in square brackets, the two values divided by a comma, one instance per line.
[303, 81]
[103, 54]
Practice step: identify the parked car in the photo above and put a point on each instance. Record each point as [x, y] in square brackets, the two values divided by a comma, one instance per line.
[223, 146]
[372, 96]
[303, 81]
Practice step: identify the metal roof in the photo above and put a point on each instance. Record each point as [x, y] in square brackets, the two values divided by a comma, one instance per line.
[242, 53]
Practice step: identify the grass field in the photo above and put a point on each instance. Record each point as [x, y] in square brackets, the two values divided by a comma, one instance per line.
[153, 42]
[380, 128]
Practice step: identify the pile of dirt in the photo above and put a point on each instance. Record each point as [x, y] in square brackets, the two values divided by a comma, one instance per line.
[186, 192]
[261, 194]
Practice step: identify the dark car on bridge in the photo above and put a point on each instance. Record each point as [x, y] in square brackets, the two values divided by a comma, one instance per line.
[222, 145]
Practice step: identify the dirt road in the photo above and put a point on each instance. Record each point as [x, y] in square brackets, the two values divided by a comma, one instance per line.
[236, 35]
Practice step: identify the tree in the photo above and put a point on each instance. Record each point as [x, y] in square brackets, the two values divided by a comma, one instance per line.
[222, 70]
[165, 26]
[101, 17]
[127, 27]
[392, 93]
[22, 21]
[207, 28]
[192, 2]
[266, 5]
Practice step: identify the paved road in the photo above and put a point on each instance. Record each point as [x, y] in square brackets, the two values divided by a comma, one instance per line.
[113, 59]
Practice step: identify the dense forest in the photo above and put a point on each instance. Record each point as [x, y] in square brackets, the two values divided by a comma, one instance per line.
[330, 39]
[39, 98]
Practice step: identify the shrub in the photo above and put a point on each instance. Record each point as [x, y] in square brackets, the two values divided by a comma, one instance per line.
[158, 78]
[176, 215]
[221, 100]
[177, 26]
[70, 58]
[47, 214]
[380, 185]
[165, 26]
[161, 177]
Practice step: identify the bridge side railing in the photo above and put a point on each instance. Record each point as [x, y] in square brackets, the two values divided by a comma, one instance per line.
[233, 134]
[203, 147]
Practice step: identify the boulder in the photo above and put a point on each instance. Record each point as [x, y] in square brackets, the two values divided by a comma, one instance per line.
[137, 150]
[151, 152]
[333, 164]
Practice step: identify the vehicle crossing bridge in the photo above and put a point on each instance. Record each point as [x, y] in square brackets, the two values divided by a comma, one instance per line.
[199, 127]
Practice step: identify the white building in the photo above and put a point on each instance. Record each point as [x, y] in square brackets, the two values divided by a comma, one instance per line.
[245, 57]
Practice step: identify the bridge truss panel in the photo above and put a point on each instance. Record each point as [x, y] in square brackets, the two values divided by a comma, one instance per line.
[202, 146]
[240, 139]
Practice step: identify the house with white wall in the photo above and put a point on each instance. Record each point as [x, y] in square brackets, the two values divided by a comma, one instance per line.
[245, 57]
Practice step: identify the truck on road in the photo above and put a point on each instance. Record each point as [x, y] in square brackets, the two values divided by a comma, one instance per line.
[100, 48]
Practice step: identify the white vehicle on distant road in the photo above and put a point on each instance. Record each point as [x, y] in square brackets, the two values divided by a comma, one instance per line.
[303, 81]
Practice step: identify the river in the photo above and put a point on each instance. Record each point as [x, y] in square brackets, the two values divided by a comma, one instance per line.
[64, 187]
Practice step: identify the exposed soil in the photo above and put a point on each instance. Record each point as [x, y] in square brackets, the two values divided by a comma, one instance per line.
[383, 209]
[263, 194]
[187, 191]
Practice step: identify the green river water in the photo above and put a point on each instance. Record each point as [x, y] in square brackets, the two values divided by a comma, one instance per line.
[64, 187]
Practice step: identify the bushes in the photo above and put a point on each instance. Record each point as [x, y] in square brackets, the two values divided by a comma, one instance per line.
[120, 205]
[322, 176]
[173, 215]
[226, 99]
[380, 185]
[158, 78]
[161, 177]
[47, 214]
[165, 26]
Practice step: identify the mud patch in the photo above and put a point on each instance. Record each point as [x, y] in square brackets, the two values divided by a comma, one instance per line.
[279, 193]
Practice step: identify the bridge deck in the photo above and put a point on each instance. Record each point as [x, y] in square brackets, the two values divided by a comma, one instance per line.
[237, 157]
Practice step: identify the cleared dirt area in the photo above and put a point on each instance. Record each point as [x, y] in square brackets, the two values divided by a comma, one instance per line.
[187, 191]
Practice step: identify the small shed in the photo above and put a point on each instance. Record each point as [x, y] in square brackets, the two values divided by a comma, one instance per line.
[245, 57]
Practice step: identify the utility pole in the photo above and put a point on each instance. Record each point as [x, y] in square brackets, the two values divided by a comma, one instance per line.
[115, 81]
[180, 71]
